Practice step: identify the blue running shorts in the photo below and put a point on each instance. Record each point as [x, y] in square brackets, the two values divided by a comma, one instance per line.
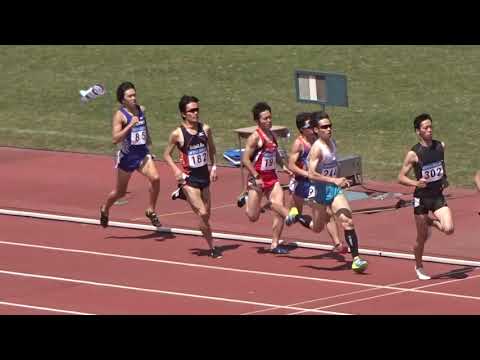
[324, 193]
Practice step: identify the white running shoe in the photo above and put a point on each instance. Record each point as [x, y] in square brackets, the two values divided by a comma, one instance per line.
[421, 274]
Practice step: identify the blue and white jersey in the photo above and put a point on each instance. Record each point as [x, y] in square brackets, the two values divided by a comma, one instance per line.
[136, 139]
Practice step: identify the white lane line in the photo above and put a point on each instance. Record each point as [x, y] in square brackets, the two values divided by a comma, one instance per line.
[373, 287]
[43, 308]
[164, 292]
[128, 257]
[361, 291]
[413, 290]
[330, 297]
[227, 236]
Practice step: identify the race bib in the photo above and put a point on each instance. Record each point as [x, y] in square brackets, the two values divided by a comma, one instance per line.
[329, 170]
[197, 157]
[138, 135]
[292, 185]
[312, 192]
[268, 161]
[432, 172]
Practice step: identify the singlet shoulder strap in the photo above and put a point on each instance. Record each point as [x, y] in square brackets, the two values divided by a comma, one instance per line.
[265, 138]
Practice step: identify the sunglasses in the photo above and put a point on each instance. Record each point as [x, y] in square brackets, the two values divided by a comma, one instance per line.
[193, 110]
[329, 126]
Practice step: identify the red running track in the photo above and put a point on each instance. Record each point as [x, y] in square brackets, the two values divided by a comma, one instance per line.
[50, 267]
[75, 184]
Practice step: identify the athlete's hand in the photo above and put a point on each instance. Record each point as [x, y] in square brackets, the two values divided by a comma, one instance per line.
[342, 182]
[180, 176]
[213, 173]
[422, 183]
[287, 171]
[135, 120]
[259, 183]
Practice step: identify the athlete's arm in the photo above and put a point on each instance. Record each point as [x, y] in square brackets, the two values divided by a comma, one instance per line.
[118, 134]
[295, 152]
[250, 147]
[149, 139]
[410, 159]
[316, 157]
[477, 180]
[212, 152]
[445, 183]
[282, 164]
[167, 154]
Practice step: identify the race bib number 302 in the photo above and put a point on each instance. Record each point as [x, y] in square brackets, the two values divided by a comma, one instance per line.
[268, 161]
[197, 158]
[138, 135]
[432, 172]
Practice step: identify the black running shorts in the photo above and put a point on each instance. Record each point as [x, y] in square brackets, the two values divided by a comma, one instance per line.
[422, 205]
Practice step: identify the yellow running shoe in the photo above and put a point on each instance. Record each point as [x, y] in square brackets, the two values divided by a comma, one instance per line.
[292, 216]
[359, 265]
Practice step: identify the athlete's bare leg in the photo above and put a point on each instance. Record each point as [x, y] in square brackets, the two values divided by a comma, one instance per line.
[199, 201]
[149, 170]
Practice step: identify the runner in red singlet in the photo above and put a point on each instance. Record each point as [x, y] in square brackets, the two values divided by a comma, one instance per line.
[260, 158]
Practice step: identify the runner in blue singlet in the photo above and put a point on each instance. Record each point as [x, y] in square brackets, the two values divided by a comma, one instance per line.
[129, 127]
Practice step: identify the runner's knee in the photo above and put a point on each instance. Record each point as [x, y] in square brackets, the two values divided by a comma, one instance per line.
[155, 180]
[318, 227]
[253, 217]
[448, 229]
[203, 213]
[343, 213]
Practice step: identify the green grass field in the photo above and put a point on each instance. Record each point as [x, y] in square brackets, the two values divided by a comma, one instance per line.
[387, 87]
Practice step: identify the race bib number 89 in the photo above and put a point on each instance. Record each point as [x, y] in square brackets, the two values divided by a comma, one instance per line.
[432, 172]
[268, 161]
[197, 158]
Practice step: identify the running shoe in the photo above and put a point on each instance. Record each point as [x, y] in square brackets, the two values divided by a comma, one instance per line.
[421, 275]
[103, 218]
[153, 218]
[359, 265]
[305, 220]
[215, 253]
[242, 200]
[178, 194]
[279, 250]
[292, 216]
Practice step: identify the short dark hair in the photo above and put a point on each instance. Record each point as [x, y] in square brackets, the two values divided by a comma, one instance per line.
[258, 108]
[124, 86]
[317, 116]
[302, 119]
[418, 120]
[184, 101]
